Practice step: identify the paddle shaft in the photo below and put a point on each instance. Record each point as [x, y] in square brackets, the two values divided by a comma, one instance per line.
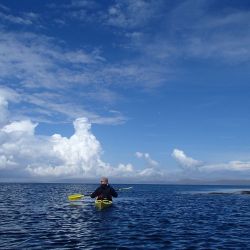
[79, 196]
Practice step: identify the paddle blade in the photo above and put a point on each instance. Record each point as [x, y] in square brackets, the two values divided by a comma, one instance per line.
[126, 188]
[74, 197]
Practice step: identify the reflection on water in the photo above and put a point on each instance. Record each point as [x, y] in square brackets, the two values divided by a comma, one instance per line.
[39, 216]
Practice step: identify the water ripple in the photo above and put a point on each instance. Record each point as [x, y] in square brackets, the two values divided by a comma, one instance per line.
[38, 216]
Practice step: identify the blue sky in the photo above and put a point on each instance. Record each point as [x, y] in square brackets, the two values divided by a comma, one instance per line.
[140, 91]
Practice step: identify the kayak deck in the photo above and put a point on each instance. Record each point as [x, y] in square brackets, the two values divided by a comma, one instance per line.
[101, 204]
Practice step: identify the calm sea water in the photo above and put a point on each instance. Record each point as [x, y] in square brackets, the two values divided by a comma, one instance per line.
[39, 216]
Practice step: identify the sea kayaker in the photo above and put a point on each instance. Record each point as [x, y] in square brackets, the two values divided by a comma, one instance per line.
[104, 191]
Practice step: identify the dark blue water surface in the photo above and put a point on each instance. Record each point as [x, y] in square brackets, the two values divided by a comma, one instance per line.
[39, 216]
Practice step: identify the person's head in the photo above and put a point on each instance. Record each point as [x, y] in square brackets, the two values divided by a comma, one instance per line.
[104, 181]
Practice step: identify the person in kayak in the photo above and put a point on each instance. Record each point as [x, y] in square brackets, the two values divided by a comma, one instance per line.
[104, 191]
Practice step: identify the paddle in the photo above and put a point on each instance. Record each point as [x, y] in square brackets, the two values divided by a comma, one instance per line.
[74, 197]
[127, 188]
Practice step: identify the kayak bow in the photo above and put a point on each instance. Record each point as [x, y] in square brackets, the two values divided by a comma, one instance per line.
[101, 204]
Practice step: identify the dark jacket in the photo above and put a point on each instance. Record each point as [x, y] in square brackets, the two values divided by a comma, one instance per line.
[104, 192]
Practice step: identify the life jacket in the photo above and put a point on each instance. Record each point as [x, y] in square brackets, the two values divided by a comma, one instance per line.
[104, 193]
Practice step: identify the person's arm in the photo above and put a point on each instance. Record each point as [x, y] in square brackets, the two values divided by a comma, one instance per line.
[113, 192]
[95, 193]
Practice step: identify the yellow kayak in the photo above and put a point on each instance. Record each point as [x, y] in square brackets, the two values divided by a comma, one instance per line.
[101, 204]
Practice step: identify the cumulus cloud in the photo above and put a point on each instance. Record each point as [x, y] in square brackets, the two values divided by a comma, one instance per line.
[146, 157]
[23, 127]
[151, 169]
[189, 163]
[23, 152]
[184, 160]
[21, 149]
[57, 156]
[151, 173]
[76, 156]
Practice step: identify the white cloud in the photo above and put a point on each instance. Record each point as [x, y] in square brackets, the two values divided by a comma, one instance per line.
[77, 156]
[224, 47]
[139, 154]
[123, 170]
[151, 173]
[189, 163]
[148, 159]
[151, 170]
[224, 36]
[131, 14]
[6, 162]
[56, 104]
[16, 19]
[48, 72]
[23, 152]
[135, 74]
[6, 95]
[235, 166]
[23, 18]
[23, 127]
[39, 62]
[185, 161]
